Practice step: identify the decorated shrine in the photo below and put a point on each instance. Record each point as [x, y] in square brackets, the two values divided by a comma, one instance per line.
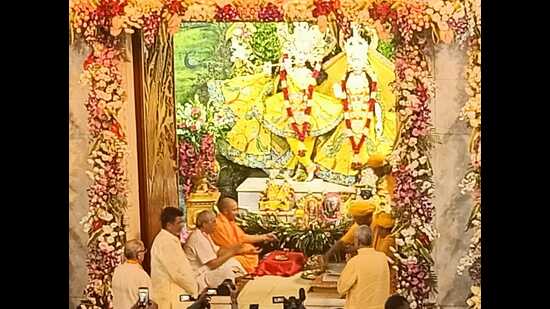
[296, 110]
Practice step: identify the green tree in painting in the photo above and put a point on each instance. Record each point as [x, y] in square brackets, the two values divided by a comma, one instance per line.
[265, 43]
[200, 54]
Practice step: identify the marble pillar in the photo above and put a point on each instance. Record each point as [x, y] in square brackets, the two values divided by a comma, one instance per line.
[450, 162]
[78, 180]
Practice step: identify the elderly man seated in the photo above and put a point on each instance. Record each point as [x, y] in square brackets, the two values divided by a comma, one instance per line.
[129, 276]
[212, 264]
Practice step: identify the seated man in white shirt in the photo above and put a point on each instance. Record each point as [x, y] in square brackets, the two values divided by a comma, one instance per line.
[212, 263]
[129, 276]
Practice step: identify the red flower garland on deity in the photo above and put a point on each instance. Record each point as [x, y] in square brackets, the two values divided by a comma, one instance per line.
[356, 147]
[304, 131]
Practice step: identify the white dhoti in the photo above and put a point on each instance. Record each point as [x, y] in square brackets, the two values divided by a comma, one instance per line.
[212, 278]
[200, 249]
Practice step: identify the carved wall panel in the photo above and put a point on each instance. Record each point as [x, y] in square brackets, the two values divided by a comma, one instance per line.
[155, 114]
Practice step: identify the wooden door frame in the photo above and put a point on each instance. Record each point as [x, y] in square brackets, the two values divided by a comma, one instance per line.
[148, 230]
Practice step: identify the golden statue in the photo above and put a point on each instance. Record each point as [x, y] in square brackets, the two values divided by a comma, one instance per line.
[277, 197]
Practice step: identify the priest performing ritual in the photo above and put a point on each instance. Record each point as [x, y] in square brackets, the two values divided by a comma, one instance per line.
[227, 234]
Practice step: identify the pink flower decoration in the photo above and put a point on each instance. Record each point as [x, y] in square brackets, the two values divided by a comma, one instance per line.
[195, 112]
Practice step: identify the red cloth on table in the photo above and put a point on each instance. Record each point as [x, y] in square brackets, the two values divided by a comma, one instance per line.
[270, 266]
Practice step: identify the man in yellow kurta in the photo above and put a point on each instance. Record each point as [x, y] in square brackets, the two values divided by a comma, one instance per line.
[171, 272]
[228, 234]
[130, 276]
[361, 211]
[365, 280]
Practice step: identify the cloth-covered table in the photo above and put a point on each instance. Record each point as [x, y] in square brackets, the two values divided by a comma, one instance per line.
[270, 266]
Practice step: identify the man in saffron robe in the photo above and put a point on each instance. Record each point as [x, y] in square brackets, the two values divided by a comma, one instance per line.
[227, 234]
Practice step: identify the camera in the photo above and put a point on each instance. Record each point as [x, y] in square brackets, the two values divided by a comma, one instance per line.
[143, 297]
[185, 298]
[225, 288]
[292, 302]
[202, 303]
[365, 194]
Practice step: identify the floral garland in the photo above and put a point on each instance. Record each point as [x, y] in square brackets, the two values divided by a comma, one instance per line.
[356, 147]
[196, 163]
[472, 180]
[302, 133]
[104, 20]
[108, 192]
[413, 191]
[100, 22]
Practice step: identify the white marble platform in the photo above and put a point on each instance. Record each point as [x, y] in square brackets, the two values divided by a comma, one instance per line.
[250, 190]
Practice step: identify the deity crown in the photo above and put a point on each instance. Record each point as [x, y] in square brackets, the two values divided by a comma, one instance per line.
[305, 40]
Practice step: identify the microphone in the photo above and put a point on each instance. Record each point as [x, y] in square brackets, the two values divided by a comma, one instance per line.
[302, 294]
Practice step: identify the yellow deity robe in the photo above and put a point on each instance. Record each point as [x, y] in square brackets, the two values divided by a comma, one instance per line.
[326, 113]
[248, 142]
[335, 154]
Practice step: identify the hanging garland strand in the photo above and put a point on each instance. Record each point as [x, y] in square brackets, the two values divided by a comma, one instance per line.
[471, 112]
[303, 132]
[412, 199]
[108, 191]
